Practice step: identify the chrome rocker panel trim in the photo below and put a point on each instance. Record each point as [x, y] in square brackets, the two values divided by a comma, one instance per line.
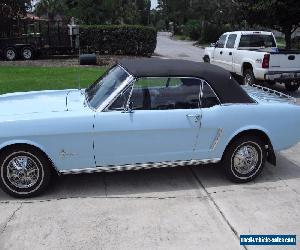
[149, 165]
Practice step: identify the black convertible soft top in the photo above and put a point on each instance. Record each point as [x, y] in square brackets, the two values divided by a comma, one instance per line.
[227, 89]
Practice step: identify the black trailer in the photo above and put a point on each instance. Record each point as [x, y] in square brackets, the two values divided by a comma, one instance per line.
[27, 39]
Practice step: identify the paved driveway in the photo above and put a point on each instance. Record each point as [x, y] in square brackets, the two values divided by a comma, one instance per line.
[176, 208]
[179, 208]
[170, 48]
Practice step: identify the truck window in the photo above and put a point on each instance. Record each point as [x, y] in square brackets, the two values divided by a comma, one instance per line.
[257, 40]
[231, 41]
[221, 41]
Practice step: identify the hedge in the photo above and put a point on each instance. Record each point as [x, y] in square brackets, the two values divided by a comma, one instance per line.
[118, 39]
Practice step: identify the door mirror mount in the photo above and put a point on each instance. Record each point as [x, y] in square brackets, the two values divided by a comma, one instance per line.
[129, 107]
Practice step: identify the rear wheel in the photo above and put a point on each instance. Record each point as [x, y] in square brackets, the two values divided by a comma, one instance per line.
[244, 159]
[10, 54]
[206, 59]
[24, 171]
[27, 53]
[249, 78]
[293, 86]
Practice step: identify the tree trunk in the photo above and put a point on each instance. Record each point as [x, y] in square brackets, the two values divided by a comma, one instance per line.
[288, 37]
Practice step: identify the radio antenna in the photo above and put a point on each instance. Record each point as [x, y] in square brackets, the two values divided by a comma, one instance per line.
[79, 68]
[75, 44]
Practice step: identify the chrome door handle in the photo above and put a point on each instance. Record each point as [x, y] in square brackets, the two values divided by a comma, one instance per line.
[197, 117]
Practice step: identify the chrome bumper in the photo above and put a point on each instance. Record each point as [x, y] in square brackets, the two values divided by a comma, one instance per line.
[283, 76]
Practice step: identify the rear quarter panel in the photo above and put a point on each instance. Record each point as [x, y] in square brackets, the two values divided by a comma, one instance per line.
[281, 123]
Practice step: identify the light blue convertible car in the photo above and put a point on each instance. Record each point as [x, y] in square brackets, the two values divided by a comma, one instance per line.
[143, 113]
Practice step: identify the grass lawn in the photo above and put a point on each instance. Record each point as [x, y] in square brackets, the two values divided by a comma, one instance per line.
[17, 79]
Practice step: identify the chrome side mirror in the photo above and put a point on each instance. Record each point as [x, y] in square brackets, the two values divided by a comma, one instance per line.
[214, 45]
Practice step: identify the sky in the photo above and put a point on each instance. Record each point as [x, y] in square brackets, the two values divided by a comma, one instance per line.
[153, 4]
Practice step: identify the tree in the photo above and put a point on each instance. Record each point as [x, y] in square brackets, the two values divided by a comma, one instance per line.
[10, 12]
[110, 11]
[51, 8]
[14, 8]
[281, 15]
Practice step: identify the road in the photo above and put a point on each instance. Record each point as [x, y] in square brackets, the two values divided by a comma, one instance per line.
[171, 48]
[175, 208]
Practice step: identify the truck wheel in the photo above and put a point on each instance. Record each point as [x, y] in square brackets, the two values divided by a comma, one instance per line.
[244, 159]
[249, 78]
[206, 59]
[292, 86]
[10, 54]
[27, 53]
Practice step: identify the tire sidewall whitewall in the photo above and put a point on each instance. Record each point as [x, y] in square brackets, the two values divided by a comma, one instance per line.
[10, 186]
[258, 166]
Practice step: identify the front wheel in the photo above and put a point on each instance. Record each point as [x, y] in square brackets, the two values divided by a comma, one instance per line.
[24, 171]
[249, 78]
[10, 54]
[244, 159]
[292, 86]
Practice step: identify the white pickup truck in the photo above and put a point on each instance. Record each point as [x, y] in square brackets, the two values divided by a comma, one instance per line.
[254, 56]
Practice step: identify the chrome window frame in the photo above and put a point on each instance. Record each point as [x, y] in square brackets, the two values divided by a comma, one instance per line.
[130, 81]
[116, 93]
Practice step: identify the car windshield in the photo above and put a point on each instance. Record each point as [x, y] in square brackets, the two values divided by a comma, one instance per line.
[101, 89]
[257, 41]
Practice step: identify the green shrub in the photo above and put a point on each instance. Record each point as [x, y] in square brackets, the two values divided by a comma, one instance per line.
[192, 29]
[118, 39]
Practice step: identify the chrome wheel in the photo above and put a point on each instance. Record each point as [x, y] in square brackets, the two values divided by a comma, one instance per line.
[248, 79]
[27, 54]
[245, 159]
[23, 172]
[10, 54]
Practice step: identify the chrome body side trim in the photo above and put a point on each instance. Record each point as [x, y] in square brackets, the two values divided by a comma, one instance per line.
[149, 165]
[216, 140]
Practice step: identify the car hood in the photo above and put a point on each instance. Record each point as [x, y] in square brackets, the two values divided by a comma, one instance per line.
[40, 102]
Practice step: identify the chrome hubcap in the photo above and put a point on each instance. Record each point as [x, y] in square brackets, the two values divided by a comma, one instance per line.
[27, 53]
[22, 172]
[245, 159]
[248, 80]
[10, 54]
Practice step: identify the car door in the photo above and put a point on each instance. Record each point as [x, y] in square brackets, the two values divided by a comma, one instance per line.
[218, 57]
[162, 123]
[211, 124]
[228, 52]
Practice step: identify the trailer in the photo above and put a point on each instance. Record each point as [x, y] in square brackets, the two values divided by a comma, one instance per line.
[29, 38]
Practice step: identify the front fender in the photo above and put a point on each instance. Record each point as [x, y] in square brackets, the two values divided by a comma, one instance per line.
[27, 142]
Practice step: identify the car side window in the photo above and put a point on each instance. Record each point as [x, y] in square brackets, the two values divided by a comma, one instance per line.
[231, 41]
[221, 42]
[162, 94]
[209, 98]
